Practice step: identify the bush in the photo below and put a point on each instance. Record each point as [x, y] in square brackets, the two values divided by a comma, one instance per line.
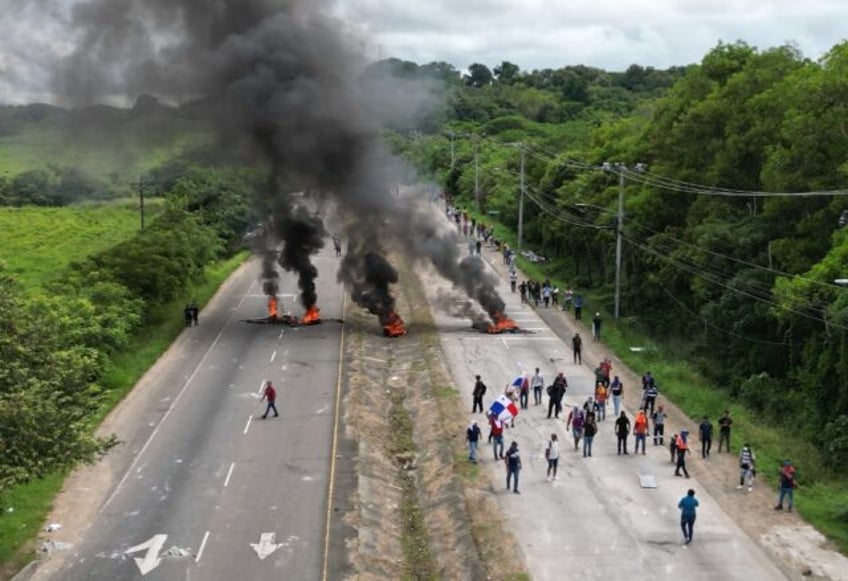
[834, 444]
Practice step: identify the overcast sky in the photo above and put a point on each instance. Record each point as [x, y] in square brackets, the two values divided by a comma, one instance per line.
[611, 34]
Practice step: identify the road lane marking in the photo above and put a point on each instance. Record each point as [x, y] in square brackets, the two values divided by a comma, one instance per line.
[171, 407]
[247, 426]
[266, 545]
[505, 344]
[273, 356]
[202, 546]
[151, 558]
[281, 333]
[261, 385]
[229, 473]
[333, 449]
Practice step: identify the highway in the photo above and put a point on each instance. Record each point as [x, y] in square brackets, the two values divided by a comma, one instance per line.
[202, 487]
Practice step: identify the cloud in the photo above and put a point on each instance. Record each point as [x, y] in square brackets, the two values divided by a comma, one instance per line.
[606, 33]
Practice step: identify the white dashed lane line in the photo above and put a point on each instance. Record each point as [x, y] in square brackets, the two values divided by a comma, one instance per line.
[229, 474]
[202, 546]
[273, 356]
[247, 426]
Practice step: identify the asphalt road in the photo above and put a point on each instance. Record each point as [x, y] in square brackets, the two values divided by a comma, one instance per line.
[210, 491]
[596, 521]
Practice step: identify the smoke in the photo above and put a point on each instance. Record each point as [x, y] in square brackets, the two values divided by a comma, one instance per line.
[286, 77]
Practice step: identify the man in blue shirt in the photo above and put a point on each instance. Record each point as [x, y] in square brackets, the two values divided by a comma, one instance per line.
[687, 506]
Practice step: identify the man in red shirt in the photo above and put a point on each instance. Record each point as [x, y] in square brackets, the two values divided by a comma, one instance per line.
[271, 396]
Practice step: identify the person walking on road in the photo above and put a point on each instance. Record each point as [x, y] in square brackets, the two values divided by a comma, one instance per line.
[496, 427]
[601, 401]
[575, 421]
[688, 505]
[622, 430]
[537, 382]
[787, 486]
[477, 394]
[747, 469]
[270, 395]
[650, 394]
[513, 466]
[472, 437]
[552, 455]
[659, 417]
[578, 307]
[705, 432]
[682, 450]
[590, 428]
[195, 310]
[724, 425]
[640, 430]
[617, 391]
[524, 393]
[577, 347]
[672, 447]
[555, 394]
[596, 327]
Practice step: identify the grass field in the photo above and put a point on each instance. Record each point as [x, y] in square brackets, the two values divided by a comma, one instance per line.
[128, 151]
[36, 244]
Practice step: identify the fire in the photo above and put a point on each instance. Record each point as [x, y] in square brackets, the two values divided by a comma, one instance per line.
[312, 316]
[393, 326]
[502, 323]
[272, 307]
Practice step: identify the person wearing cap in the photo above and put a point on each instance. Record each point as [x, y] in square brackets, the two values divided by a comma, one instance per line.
[472, 437]
[596, 327]
[787, 485]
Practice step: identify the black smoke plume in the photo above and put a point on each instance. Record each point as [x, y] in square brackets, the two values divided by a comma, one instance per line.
[286, 79]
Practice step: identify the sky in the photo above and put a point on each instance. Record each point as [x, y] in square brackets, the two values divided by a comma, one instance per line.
[609, 34]
[534, 34]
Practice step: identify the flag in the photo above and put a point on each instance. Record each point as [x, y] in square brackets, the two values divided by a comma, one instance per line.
[503, 408]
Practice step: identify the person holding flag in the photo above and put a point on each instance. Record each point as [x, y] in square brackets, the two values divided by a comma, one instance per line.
[503, 410]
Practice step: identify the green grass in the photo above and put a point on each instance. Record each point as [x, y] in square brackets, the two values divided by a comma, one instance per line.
[129, 150]
[37, 244]
[33, 501]
[822, 498]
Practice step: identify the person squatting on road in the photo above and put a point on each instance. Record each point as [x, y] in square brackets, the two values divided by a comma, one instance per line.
[496, 436]
[537, 382]
[472, 438]
[617, 391]
[640, 430]
[747, 470]
[787, 486]
[688, 505]
[575, 421]
[659, 417]
[590, 428]
[724, 425]
[477, 394]
[555, 394]
[622, 430]
[270, 395]
[682, 450]
[513, 466]
[552, 455]
[705, 432]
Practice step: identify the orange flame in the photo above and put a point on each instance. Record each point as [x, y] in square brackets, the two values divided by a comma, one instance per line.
[393, 326]
[312, 316]
[502, 323]
[272, 307]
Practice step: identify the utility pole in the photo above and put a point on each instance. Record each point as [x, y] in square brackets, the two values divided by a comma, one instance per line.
[477, 172]
[618, 224]
[521, 203]
[141, 201]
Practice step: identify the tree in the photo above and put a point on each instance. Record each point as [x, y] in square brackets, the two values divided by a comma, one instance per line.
[478, 76]
[507, 72]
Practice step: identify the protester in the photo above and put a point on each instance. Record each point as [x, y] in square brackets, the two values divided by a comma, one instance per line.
[622, 430]
[590, 428]
[724, 425]
[747, 468]
[682, 450]
[472, 437]
[552, 455]
[575, 421]
[672, 447]
[513, 466]
[477, 394]
[688, 507]
[705, 432]
[596, 327]
[601, 401]
[537, 382]
[617, 391]
[497, 436]
[640, 430]
[270, 395]
[577, 347]
[555, 394]
[787, 486]
[659, 417]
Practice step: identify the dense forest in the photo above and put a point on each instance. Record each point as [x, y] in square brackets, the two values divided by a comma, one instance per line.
[732, 234]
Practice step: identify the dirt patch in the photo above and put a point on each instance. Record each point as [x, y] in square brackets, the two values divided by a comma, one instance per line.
[421, 514]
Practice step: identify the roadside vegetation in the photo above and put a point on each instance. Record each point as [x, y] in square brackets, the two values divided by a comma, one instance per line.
[731, 284]
[88, 302]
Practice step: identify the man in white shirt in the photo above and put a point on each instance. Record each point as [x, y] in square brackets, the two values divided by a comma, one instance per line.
[537, 382]
[552, 454]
